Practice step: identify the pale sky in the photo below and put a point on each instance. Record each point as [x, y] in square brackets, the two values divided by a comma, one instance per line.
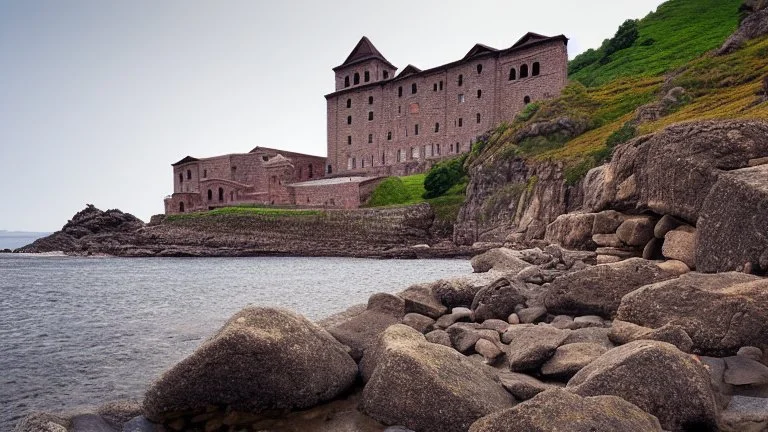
[98, 98]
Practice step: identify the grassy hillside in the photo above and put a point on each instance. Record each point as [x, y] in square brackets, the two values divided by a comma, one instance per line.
[603, 95]
[679, 31]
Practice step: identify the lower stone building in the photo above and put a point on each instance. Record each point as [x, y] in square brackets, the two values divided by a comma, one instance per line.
[259, 177]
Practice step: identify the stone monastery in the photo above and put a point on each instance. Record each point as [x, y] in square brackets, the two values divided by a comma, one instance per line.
[381, 123]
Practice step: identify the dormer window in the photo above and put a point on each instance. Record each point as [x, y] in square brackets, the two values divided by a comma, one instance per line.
[386, 74]
[367, 76]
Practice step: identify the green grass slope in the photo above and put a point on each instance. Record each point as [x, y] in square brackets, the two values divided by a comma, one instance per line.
[679, 31]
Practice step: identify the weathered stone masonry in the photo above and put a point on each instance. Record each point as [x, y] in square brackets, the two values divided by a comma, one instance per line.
[381, 123]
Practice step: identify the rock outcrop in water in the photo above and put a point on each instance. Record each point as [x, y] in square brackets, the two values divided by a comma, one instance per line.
[402, 232]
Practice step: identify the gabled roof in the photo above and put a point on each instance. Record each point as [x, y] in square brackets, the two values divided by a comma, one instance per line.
[479, 49]
[364, 50]
[185, 160]
[408, 70]
[528, 38]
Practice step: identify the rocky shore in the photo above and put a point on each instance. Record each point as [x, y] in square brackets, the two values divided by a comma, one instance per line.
[538, 339]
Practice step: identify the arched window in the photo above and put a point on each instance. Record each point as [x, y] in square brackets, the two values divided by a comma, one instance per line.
[346, 81]
[221, 194]
[479, 69]
[512, 74]
[478, 117]
[413, 88]
[479, 94]
[386, 74]
[189, 174]
[434, 87]
[370, 115]
[330, 169]
[524, 71]
[370, 138]
[437, 127]
[400, 91]
[210, 195]
[370, 100]
[536, 69]
[181, 207]
[356, 79]
[527, 100]
[389, 136]
[311, 170]
[349, 119]
[461, 80]
[367, 76]
[349, 139]
[349, 103]
[205, 173]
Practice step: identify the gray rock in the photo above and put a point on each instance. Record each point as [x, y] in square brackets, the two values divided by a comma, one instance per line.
[754, 25]
[531, 274]
[637, 231]
[750, 352]
[42, 422]
[746, 414]
[532, 315]
[359, 332]
[571, 358]
[91, 423]
[599, 289]
[498, 300]
[461, 290]
[440, 337]
[139, 424]
[394, 335]
[421, 323]
[530, 346]
[720, 312]
[431, 388]
[597, 335]
[572, 231]
[522, 386]
[594, 187]
[589, 321]
[262, 359]
[608, 259]
[680, 245]
[495, 324]
[653, 250]
[733, 229]
[458, 314]
[422, 300]
[674, 267]
[622, 253]
[607, 240]
[560, 410]
[501, 259]
[666, 224]
[658, 378]
[513, 319]
[716, 368]
[489, 350]
[624, 332]
[562, 321]
[463, 336]
[607, 222]
[741, 370]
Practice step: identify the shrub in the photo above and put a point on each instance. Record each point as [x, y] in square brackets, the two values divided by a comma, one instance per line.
[624, 134]
[528, 112]
[625, 37]
[444, 176]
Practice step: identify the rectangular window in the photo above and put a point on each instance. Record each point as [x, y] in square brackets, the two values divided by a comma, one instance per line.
[367, 76]
[389, 136]
[400, 91]
[461, 98]
[416, 130]
[434, 88]
[349, 139]
[441, 85]
[461, 122]
[370, 138]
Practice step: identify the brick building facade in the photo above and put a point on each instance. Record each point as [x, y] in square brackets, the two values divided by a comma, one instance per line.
[261, 176]
[386, 124]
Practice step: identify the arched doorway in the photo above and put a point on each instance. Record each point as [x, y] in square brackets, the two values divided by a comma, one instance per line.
[221, 194]
[181, 207]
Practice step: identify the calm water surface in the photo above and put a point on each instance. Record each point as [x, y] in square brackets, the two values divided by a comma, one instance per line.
[81, 331]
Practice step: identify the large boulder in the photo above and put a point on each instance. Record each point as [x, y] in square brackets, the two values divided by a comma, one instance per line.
[461, 290]
[421, 299]
[672, 171]
[571, 358]
[428, 387]
[262, 359]
[360, 331]
[529, 346]
[636, 231]
[561, 410]
[599, 289]
[572, 231]
[720, 312]
[498, 300]
[680, 245]
[499, 259]
[658, 378]
[733, 229]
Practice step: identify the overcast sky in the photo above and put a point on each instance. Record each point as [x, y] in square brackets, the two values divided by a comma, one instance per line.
[98, 98]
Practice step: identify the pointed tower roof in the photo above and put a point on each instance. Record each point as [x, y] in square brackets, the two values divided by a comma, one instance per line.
[364, 50]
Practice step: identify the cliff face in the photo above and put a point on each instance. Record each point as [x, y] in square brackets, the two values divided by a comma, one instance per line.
[387, 232]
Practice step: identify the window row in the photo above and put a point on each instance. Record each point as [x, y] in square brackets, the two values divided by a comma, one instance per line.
[459, 123]
[366, 78]
[401, 155]
[535, 71]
